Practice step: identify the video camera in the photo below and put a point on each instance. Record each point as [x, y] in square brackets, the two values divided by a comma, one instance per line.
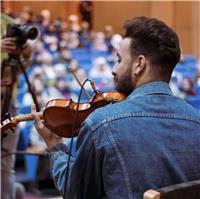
[21, 32]
[11, 64]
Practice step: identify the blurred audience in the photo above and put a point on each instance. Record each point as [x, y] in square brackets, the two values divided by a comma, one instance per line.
[99, 42]
[71, 38]
[114, 46]
[108, 32]
[73, 25]
[187, 87]
[85, 35]
[101, 69]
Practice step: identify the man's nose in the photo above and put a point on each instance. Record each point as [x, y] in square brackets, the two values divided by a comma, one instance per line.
[114, 74]
[114, 70]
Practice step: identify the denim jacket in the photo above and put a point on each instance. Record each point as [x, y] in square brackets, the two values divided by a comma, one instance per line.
[147, 141]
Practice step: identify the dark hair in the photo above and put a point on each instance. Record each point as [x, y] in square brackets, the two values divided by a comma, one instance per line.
[155, 40]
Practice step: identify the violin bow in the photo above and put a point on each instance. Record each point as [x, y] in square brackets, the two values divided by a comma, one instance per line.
[79, 83]
[9, 123]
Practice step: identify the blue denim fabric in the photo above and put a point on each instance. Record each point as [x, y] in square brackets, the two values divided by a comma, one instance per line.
[149, 140]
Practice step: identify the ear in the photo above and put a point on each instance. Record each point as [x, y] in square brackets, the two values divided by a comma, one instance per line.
[139, 65]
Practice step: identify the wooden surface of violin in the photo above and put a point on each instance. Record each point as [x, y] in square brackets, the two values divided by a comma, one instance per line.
[59, 114]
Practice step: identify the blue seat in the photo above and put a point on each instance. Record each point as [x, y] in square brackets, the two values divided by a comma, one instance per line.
[20, 94]
[23, 109]
[82, 57]
[97, 53]
[79, 50]
[197, 90]
[194, 101]
[189, 58]
[80, 53]
[85, 62]
[25, 133]
[21, 81]
[31, 163]
[86, 66]
[188, 74]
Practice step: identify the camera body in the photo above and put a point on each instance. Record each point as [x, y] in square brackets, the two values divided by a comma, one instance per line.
[21, 32]
[9, 69]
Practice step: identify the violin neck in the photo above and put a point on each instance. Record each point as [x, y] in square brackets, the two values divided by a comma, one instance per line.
[27, 117]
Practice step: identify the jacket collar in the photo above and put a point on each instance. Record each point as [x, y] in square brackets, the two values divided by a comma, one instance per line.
[157, 87]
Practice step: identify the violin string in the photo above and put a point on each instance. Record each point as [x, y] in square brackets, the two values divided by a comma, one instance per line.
[73, 129]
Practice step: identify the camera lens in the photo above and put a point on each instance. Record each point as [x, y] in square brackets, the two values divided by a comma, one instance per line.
[32, 33]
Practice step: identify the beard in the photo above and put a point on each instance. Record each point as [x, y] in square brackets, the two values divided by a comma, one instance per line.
[124, 83]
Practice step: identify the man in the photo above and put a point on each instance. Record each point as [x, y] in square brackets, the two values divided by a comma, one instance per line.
[9, 189]
[149, 140]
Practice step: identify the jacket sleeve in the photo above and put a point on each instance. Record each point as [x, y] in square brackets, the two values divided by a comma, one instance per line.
[84, 179]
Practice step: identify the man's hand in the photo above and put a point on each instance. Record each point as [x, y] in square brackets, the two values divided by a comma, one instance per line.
[27, 49]
[50, 138]
[8, 45]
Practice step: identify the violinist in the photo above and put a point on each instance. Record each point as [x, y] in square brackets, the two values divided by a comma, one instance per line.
[148, 140]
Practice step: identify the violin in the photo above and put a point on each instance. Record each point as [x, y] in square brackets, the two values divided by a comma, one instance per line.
[58, 114]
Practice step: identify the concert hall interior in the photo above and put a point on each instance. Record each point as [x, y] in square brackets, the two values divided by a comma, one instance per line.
[121, 98]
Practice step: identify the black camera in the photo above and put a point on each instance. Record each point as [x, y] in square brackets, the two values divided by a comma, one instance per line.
[9, 69]
[21, 32]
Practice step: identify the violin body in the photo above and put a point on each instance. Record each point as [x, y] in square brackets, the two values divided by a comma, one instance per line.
[59, 114]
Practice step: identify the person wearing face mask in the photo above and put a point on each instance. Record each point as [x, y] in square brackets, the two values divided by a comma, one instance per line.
[148, 140]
